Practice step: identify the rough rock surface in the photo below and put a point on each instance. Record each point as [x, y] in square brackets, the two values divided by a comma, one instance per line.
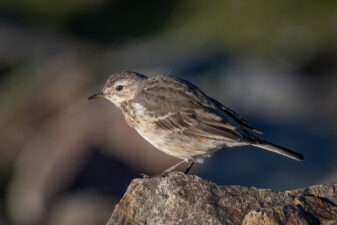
[185, 199]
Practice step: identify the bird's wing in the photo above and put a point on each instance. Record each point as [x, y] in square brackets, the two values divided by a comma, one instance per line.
[236, 117]
[181, 107]
[192, 124]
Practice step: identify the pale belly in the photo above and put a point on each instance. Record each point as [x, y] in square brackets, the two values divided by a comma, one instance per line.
[174, 142]
[179, 145]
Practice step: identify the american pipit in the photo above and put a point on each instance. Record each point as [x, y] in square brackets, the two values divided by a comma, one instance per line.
[179, 119]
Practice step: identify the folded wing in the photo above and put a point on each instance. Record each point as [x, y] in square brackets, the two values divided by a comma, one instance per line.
[183, 108]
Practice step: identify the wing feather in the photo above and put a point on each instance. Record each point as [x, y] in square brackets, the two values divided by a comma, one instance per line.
[177, 104]
[188, 124]
[236, 117]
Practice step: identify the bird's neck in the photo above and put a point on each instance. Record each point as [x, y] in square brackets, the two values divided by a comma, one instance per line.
[128, 113]
[126, 107]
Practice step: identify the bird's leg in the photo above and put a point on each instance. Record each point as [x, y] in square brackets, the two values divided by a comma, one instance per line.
[169, 170]
[189, 167]
[173, 167]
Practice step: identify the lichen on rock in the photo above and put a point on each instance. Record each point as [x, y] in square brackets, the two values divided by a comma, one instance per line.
[185, 199]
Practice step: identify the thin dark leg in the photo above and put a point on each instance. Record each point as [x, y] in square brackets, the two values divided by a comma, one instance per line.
[189, 167]
[173, 167]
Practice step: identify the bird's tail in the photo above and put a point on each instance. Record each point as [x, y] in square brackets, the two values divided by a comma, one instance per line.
[278, 149]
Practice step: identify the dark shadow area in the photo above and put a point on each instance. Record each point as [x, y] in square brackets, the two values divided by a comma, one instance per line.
[121, 21]
[103, 175]
[5, 176]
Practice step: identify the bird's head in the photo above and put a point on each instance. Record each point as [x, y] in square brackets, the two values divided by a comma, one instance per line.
[121, 87]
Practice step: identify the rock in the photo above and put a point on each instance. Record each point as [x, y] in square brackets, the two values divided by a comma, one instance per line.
[184, 199]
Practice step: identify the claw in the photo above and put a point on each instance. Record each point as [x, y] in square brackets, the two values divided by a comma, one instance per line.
[145, 175]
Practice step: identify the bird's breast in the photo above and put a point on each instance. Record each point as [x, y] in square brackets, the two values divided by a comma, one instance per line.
[171, 141]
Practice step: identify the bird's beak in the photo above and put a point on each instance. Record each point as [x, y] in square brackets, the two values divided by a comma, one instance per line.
[98, 95]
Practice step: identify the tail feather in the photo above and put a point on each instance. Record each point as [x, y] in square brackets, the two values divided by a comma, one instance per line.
[279, 149]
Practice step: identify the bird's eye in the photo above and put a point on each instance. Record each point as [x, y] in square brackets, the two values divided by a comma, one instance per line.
[119, 87]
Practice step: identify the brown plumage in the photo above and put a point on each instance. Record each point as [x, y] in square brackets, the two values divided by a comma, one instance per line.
[179, 119]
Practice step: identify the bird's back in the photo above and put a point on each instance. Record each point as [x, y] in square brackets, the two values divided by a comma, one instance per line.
[177, 93]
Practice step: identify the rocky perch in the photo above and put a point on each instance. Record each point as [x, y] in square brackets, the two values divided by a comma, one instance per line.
[185, 199]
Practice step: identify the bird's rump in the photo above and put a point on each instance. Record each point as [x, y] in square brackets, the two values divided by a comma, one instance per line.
[236, 117]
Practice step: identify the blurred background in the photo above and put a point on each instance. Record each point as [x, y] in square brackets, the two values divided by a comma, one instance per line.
[65, 160]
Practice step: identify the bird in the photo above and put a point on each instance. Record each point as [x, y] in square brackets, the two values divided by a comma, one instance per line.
[179, 119]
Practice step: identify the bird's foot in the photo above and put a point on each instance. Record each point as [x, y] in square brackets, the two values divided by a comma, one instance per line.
[144, 175]
[169, 170]
[163, 174]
